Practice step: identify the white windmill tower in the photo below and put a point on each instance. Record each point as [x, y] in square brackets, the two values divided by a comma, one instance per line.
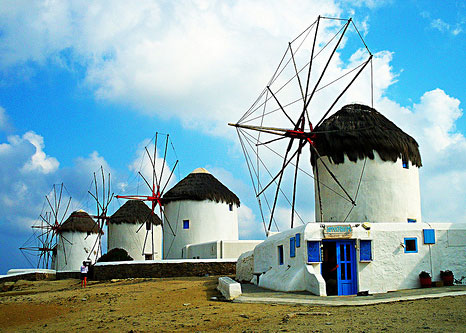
[129, 229]
[77, 236]
[373, 160]
[200, 209]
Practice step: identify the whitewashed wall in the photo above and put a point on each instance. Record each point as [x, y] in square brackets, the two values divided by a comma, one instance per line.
[388, 192]
[208, 221]
[294, 274]
[219, 249]
[391, 268]
[76, 252]
[126, 236]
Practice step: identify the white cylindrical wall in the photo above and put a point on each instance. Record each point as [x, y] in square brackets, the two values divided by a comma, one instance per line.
[387, 192]
[208, 221]
[126, 236]
[73, 248]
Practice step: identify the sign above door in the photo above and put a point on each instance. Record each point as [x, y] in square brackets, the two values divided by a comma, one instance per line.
[338, 231]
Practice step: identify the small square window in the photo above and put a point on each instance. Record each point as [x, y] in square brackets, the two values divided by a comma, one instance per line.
[185, 224]
[411, 220]
[230, 207]
[405, 163]
[298, 240]
[410, 245]
[313, 251]
[429, 236]
[280, 255]
[365, 250]
[292, 247]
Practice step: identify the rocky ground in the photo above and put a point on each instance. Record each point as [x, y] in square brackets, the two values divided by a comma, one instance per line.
[184, 304]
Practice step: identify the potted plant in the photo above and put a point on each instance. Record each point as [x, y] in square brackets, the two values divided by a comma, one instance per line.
[447, 277]
[426, 280]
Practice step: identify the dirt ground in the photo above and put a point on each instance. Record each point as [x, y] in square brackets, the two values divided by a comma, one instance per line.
[184, 304]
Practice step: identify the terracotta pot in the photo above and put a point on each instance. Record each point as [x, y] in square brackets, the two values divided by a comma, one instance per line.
[426, 282]
[447, 280]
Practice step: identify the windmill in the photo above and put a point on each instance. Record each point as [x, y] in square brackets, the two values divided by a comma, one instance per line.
[42, 244]
[303, 91]
[103, 197]
[156, 184]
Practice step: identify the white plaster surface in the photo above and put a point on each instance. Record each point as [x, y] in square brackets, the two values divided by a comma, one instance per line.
[343, 301]
[208, 221]
[219, 249]
[126, 236]
[229, 288]
[164, 261]
[73, 248]
[21, 271]
[387, 193]
[293, 275]
[391, 268]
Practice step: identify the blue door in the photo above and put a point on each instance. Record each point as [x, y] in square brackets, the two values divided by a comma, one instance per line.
[346, 271]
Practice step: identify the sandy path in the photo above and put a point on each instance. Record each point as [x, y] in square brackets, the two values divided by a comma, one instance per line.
[183, 304]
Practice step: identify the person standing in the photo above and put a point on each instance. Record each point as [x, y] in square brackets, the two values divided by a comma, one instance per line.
[84, 270]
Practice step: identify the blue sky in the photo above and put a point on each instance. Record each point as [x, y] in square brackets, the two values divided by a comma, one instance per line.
[84, 84]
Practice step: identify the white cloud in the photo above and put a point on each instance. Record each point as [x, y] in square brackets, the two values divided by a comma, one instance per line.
[368, 3]
[440, 25]
[3, 118]
[183, 59]
[92, 163]
[457, 30]
[443, 150]
[250, 226]
[39, 160]
[438, 112]
[204, 61]
[27, 174]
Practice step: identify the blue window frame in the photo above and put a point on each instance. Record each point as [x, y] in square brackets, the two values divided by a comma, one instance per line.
[298, 240]
[185, 224]
[429, 236]
[405, 164]
[292, 247]
[280, 254]
[313, 251]
[410, 245]
[365, 250]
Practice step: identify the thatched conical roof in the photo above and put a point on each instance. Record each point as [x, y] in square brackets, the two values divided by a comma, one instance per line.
[80, 221]
[201, 185]
[134, 212]
[357, 131]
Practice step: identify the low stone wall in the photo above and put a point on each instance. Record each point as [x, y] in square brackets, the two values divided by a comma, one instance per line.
[162, 269]
[68, 275]
[35, 276]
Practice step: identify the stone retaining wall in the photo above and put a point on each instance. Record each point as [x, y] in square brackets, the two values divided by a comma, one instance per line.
[68, 275]
[28, 277]
[162, 270]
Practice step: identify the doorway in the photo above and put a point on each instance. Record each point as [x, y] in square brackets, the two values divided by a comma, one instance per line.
[339, 267]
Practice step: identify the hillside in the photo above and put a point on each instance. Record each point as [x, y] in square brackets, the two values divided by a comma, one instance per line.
[184, 304]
